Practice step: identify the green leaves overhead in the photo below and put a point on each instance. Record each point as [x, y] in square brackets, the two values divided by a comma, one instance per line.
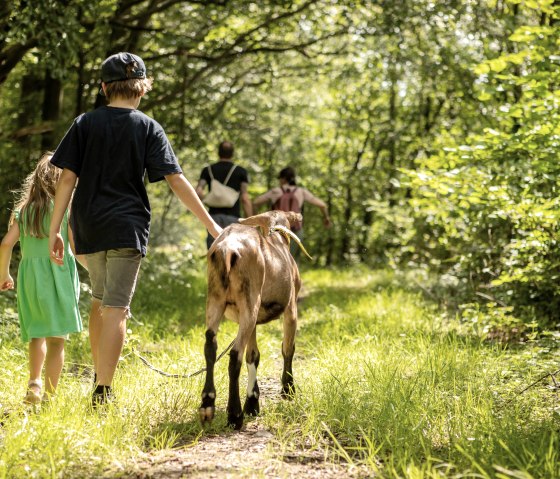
[431, 131]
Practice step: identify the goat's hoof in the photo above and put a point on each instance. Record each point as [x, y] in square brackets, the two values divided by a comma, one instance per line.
[251, 407]
[206, 414]
[288, 391]
[235, 420]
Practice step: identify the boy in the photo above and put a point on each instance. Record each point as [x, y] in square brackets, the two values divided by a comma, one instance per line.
[110, 149]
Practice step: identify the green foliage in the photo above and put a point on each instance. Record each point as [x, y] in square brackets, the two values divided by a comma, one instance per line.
[490, 206]
[430, 131]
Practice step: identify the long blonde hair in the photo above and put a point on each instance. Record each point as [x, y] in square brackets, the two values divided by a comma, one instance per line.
[34, 199]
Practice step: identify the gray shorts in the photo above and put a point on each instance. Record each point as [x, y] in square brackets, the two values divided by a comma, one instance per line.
[113, 275]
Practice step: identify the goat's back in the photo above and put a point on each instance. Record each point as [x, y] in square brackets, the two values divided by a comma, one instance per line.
[244, 265]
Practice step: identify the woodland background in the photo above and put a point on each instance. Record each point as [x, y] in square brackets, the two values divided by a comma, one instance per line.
[429, 127]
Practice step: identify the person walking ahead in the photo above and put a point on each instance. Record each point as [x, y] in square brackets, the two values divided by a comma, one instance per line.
[288, 196]
[229, 174]
[110, 149]
[47, 296]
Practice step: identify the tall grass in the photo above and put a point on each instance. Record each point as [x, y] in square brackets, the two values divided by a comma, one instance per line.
[389, 382]
[384, 379]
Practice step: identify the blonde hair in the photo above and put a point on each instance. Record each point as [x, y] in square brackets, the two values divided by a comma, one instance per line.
[128, 89]
[35, 196]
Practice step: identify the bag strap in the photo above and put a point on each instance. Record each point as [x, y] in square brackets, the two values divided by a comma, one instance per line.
[229, 174]
[210, 173]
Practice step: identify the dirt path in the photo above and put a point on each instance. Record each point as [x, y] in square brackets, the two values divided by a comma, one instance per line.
[245, 454]
[249, 453]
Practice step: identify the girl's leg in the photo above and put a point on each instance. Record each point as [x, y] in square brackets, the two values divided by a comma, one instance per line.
[37, 352]
[53, 363]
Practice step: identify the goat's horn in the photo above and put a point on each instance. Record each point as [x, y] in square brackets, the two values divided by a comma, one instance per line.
[288, 232]
[261, 221]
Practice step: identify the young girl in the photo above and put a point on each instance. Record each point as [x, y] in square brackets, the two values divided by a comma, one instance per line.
[47, 294]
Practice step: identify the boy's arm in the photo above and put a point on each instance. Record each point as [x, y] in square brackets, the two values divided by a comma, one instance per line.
[8, 242]
[62, 197]
[186, 193]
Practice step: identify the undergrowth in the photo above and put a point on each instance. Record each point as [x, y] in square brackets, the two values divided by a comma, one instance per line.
[385, 379]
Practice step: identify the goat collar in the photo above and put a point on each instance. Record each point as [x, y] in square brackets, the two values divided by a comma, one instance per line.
[288, 233]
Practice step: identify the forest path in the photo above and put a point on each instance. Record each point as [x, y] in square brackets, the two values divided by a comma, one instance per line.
[250, 453]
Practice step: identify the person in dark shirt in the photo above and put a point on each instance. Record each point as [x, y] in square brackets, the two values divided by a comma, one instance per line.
[237, 179]
[110, 150]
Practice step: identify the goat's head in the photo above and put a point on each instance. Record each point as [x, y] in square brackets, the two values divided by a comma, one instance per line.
[279, 221]
[268, 220]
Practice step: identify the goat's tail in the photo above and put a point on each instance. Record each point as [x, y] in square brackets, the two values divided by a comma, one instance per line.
[224, 261]
[231, 259]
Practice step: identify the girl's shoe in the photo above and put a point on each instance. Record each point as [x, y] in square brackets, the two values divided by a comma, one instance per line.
[33, 395]
[47, 397]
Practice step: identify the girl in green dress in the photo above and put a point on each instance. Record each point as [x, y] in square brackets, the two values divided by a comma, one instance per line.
[47, 294]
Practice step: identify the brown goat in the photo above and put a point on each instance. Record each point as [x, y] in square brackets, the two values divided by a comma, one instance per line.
[252, 279]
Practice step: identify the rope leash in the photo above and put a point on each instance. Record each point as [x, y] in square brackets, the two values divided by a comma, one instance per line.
[178, 376]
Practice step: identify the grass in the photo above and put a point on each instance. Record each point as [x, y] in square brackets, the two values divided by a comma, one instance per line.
[385, 380]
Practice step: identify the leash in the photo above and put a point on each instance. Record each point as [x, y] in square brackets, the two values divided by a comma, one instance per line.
[178, 376]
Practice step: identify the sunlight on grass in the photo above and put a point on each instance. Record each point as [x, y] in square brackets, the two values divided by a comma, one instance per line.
[383, 379]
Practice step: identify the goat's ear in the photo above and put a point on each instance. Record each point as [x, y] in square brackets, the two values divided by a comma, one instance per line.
[264, 221]
[293, 217]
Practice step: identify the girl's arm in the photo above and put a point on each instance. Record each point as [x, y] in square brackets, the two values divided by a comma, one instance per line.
[62, 197]
[8, 242]
[186, 193]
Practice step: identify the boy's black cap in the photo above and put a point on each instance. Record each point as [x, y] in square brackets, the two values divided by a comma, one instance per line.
[114, 67]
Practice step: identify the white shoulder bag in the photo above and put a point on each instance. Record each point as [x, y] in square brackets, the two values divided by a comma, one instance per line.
[221, 195]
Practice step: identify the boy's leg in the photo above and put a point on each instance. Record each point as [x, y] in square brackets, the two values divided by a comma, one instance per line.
[95, 324]
[53, 363]
[122, 267]
[111, 342]
[97, 269]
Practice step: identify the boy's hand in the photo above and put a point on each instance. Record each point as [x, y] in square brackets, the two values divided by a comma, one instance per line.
[216, 231]
[6, 283]
[56, 248]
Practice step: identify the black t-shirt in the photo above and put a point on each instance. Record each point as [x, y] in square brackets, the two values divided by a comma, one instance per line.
[220, 171]
[111, 149]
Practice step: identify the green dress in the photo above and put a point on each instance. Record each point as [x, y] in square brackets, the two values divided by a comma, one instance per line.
[47, 294]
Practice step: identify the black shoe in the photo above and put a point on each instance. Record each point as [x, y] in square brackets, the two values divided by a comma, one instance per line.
[101, 395]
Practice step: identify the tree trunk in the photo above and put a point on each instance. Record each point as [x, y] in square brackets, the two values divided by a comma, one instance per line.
[51, 109]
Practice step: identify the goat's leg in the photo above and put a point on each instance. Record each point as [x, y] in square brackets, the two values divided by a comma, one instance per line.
[214, 311]
[247, 323]
[289, 348]
[252, 357]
